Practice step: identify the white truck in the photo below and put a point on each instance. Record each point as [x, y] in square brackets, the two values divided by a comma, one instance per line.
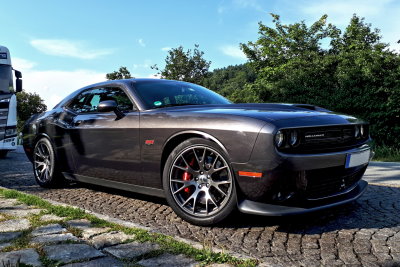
[8, 102]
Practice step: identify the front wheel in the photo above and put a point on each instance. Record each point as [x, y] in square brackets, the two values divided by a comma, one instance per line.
[198, 182]
[45, 166]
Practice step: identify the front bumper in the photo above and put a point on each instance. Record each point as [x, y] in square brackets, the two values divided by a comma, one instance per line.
[300, 183]
[9, 143]
[257, 208]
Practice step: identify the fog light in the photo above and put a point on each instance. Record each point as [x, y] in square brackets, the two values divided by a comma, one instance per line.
[279, 139]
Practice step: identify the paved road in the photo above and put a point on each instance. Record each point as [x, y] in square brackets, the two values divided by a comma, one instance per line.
[366, 232]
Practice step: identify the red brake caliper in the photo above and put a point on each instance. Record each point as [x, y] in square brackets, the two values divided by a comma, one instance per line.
[187, 177]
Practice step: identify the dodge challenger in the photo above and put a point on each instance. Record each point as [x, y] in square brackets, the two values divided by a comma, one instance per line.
[204, 154]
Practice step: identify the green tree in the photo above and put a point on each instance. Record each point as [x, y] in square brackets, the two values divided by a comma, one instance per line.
[122, 73]
[189, 66]
[230, 80]
[351, 72]
[28, 104]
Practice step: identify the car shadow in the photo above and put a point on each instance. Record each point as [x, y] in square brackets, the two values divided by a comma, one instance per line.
[377, 208]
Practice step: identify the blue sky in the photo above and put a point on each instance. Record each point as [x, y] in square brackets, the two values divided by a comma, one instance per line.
[63, 45]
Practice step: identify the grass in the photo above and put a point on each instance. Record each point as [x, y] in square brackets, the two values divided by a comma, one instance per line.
[167, 243]
[386, 153]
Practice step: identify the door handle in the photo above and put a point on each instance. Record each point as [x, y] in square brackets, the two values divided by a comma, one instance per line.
[76, 123]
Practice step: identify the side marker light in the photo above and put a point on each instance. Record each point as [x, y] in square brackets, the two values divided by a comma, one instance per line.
[251, 174]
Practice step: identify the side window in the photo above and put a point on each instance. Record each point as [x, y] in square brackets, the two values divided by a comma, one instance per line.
[123, 101]
[88, 101]
[79, 103]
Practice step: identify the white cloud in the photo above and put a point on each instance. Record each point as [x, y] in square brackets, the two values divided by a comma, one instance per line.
[22, 64]
[68, 48]
[141, 43]
[146, 65]
[154, 76]
[254, 4]
[233, 51]
[340, 11]
[381, 14]
[166, 49]
[54, 85]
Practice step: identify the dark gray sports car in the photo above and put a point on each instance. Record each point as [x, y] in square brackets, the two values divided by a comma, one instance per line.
[205, 155]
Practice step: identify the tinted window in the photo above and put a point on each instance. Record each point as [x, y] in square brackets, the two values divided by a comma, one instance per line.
[165, 93]
[6, 81]
[89, 100]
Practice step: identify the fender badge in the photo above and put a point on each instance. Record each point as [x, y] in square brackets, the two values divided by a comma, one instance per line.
[149, 142]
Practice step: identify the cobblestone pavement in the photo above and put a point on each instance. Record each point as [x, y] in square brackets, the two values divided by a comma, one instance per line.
[366, 232]
[71, 242]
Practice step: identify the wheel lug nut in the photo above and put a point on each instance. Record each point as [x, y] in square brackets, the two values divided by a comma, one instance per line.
[208, 185]
[200, 186]
[201, 172]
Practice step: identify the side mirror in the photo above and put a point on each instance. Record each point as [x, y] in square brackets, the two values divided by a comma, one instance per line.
[18, 74]
[18, 81]
[18, 85]
[107, 106]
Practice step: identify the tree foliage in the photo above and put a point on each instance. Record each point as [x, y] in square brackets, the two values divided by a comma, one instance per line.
[27, 105]
[189, 66]
[351, 72]
[230, 80]
[122, 73]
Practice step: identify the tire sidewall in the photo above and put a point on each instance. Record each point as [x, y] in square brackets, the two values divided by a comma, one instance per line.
[229, 207]
[53, 179]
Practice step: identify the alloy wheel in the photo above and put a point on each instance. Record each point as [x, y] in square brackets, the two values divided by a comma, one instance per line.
[42, 159]
[200, 181]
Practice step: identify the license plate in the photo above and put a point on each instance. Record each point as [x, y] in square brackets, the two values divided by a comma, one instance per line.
[357, 159]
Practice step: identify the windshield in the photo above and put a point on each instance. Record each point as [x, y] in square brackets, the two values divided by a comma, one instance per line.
[158, 94]
[6, 82]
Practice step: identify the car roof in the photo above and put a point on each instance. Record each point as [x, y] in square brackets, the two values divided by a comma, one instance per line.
[130, 81]
[127, 82]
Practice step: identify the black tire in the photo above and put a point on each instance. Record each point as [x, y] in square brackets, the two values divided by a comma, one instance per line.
[45, 165]
[3, 154]
[198, 200]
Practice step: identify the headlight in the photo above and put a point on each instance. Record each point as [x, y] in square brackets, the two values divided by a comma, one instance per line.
[5, 100]
[279, 139]
[12, 131]
[357, 131]
[293, 138]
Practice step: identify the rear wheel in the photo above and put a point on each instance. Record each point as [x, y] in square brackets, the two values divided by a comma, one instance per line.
[45, 166]
[198, 181]
[3, 154]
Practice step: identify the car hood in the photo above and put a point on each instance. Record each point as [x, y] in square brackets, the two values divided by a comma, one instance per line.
[274, 113]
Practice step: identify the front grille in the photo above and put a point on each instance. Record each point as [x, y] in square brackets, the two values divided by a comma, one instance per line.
[325, 139]
[330, 181]
[3, 122]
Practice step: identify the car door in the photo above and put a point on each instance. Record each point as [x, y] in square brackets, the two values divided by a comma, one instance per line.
[104, 145]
